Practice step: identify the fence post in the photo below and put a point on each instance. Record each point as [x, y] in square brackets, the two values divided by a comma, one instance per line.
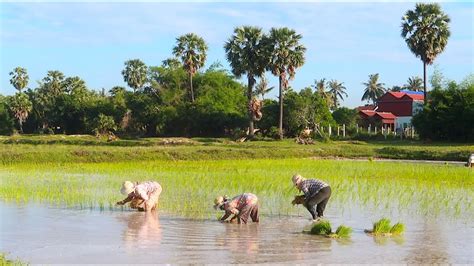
[368, 129]
[375, 130]
[344, 130]
[357, 128]
[338, 131]
[385, 132]
[330, 130]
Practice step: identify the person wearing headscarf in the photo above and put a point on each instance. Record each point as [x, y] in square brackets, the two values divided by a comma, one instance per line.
[142, 196]
[240, 207]
[316, 195]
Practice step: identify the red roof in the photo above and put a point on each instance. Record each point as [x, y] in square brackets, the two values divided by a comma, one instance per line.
[366, 107]
[414, 96]
[386, 115]
[368, 112]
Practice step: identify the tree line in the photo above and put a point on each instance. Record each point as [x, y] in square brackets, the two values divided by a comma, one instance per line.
[178, 98]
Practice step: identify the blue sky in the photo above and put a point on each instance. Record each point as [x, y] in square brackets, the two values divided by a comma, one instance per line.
[344, 41]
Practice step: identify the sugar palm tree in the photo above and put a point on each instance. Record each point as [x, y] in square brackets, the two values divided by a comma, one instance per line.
[337, 91]
[426, 32]
[19, 78]
[134, 74]
[286, 54]
[414, 84]
[245, 53]
[320, 87]
[191, 49]
[373, 88]
[20, 106]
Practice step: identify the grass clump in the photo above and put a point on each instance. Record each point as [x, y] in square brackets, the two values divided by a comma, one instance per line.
[7, 262]
[324, 228]
[383, 227]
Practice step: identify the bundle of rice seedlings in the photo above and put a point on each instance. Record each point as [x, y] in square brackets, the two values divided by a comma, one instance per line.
[321, 228]
[397, 229]
[343, 231]
[381, 227]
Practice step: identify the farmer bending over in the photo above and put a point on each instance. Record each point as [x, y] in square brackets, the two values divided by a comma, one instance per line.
[143, 196]
[316, 195]
[241, 207]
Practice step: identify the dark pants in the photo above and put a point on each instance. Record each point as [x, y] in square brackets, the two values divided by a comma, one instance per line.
[249, 210]
[317, 203]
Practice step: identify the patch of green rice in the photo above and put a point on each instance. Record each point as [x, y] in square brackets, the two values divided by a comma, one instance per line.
[397, 229]
[321, 228]
[381, 227]
[343, 231]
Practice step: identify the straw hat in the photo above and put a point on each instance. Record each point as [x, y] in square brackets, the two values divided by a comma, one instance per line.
[296, 179]
[127, 188]
[218, 202]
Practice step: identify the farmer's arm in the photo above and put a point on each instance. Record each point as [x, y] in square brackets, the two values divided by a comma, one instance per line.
[128, 199]
[226, 215]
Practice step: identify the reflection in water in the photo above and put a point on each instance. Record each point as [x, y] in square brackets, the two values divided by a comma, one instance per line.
[143, 230]
[430, 246]
[240, 238]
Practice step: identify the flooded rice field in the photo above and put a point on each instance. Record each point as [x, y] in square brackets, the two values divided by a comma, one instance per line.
[39, 234]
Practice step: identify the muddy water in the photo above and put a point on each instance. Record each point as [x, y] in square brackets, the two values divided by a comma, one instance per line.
[45, 235]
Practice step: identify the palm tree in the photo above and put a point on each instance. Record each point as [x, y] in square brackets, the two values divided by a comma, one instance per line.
[245, 53]
[414, 84]
[53, 82]
[19, 78]
[134, 74]
[20, 106]
[373, 89]
[262, 87]
[337, 91]
[426, 33]
[320, 87]
[191, 49]
[286, 54]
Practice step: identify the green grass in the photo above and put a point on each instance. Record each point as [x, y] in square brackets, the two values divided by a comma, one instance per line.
[62, 149]
[7, 262]
[383, 227]
[189, 187]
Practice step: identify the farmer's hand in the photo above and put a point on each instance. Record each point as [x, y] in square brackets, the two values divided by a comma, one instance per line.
[120, 203]
[234, 211]
[298, 200]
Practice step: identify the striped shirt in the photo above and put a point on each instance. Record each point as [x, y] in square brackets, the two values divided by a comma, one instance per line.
[144, 189]
[310, 187]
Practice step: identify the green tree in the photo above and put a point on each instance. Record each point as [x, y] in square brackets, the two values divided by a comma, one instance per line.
[373, 88]
[135, 74]
[320, 88]
[337, 91]
[347, 116]
[20, 106]
[192, 50]
[414, 84]
[52, 83]
[245, 53]
[426, 32]
[104, 124]
[6, 122]
[286, 54]
[262, 87]
[19, 78]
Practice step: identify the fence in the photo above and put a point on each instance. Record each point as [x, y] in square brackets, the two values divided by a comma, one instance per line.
[385, 131]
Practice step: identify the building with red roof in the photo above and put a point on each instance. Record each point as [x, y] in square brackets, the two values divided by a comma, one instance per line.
[393, 109]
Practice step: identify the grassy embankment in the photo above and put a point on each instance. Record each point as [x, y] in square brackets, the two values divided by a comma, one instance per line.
[40, 149]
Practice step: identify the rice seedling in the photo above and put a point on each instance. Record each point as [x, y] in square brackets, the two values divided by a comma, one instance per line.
[321, 228]
[397, 229]
[383, 227]
[343, 232]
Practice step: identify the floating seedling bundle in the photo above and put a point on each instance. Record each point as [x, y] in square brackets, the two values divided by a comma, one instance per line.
[383, 227]
[324, 228]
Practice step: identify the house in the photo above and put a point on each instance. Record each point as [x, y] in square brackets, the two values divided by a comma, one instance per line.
[393, 109]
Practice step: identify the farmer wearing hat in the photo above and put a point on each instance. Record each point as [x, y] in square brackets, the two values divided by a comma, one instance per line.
[142, 196]
[316, 195]
[241, 207]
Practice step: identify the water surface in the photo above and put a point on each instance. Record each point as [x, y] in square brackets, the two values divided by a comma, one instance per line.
[40, 234]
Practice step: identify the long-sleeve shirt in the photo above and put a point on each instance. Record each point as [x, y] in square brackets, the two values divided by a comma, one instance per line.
[236, 204]
[311, 187]
[143, 191]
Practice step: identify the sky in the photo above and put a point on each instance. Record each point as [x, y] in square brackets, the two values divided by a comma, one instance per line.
[344, 41]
